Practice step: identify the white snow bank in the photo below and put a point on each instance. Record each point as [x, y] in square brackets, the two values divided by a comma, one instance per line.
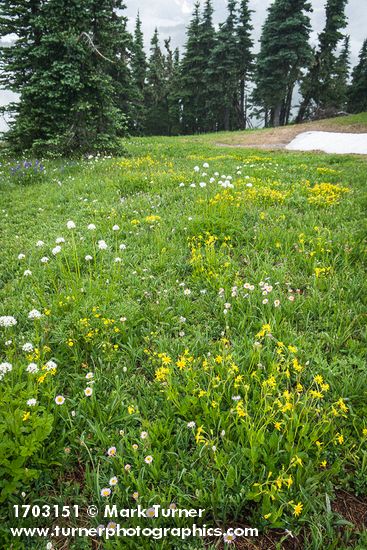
[330, 142]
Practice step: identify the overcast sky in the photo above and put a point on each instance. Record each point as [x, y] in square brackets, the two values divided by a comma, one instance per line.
[171, 17]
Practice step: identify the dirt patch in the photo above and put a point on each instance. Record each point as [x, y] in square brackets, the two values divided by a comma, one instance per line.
[269, 541]
[347, 505]
[278, 138]
[351, 508]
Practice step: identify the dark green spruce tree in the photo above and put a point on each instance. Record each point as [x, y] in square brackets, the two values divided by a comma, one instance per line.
[284, 52]
[172, 62]
[156, 91]
[195, 89]
[341, 79]
[207, 43]
[20, 65]
[113, 37]
[357, 95]
[139, 72]
[224, 74]
[62, 64]
[191, 74]
[318, 86]
[245, 59]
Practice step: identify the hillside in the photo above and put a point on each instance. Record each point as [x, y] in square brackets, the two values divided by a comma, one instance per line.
[184, 326]
[278, 138]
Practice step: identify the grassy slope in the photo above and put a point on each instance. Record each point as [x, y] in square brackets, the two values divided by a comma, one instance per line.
[275, 138]
[281, 241]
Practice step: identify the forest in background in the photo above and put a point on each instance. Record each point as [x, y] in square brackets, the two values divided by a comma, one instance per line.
[85, 80]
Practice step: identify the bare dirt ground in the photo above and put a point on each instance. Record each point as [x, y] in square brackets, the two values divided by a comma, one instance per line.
[278, 138]
[345, 506]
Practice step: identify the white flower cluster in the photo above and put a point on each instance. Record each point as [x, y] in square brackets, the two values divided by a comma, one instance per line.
[34, 314]
[7, 321]
[4, 368]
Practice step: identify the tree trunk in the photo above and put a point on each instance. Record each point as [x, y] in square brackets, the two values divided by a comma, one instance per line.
[242, 115]
[276, 112]
[303, 108]
[226, 118]
[288, 104]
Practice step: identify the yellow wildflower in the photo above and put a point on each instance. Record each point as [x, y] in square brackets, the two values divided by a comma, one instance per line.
[297, 509]
[181, 363]
[342, 405]
[289, 482]
[199, 438]
[240, 409]
[161, 374]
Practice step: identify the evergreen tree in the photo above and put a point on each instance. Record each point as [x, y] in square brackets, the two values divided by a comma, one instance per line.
[357, 96]
[318, 87]
[139, 73]
[191, 75]
[284, 52]
[19, 65]
[245, 58]
[205, 93]
[196, 91]
[156, 94]
[61, 64]
[341, 79]
[173, 88]
[223, 73]
[121, 47]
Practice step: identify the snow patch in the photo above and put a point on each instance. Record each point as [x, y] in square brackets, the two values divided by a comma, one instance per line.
[330, 142]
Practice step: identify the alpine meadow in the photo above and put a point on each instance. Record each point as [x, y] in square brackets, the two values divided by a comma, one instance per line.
[182, 294]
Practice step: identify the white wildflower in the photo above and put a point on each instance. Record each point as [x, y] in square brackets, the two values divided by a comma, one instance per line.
[7, 321]
[34, 314]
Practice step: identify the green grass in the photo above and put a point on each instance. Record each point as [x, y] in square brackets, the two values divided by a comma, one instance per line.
[360, 118]
[173, 334]
[284, 134]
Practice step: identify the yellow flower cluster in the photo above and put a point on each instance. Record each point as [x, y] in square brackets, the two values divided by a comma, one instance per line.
[139, 162]
[262, 194]
[323, 170]
[208, 256]
[326, 194]
[322, 272]
[152, 219]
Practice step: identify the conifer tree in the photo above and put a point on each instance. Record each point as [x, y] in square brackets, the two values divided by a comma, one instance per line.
[357, 96]
[196, 91]
[156, 92]
[120, 70]
[284, 52]
[20, 65]
[61, 64]
[341, 79]
[139, 74]
[173, 88]
[245, 58]
[317, 87]
[207, 43]
[224, 74]
[191, 74]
